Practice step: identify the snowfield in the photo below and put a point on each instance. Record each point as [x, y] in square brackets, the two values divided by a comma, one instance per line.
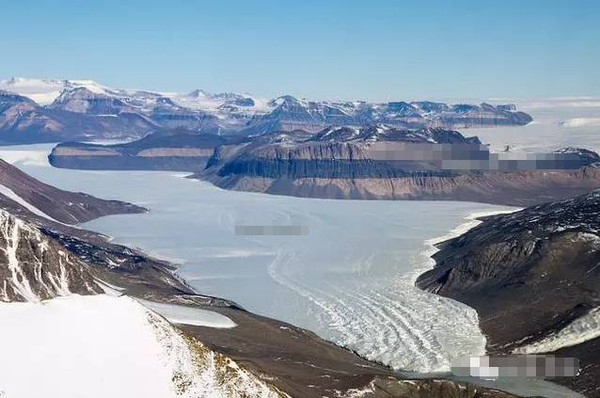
[106, 346]
[45, 91]
[189, 315]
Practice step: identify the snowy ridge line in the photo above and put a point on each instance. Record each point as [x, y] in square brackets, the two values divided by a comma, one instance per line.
[232, 111]
[9, 193]
[37, 270]
[580, 330]
[200, 372]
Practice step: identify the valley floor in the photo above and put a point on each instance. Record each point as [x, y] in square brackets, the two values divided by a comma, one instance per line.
[345, 295]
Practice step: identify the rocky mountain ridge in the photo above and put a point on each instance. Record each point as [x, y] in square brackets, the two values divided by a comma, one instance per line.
[530, 275]
[383, 162]
[371, 162]
[62, 206]
[174, 150]
[37, 268]
[85, 110]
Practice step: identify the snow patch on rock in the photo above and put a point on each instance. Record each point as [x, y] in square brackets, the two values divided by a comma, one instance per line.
[579, 331]
[32, 268]
[9, 193]
[189, 315]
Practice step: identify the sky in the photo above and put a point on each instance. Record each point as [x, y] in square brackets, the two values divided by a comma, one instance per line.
[320, 49]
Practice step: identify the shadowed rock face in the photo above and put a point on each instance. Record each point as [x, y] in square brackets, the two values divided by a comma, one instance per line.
[34, 267]
[381, 162]
[528, 275]
[63, 206]
[173, 150]
[512, 189]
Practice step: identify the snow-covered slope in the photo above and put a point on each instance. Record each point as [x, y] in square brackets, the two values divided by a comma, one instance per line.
[45, 91]
[189, 315]
[103, 346]
[56, 323]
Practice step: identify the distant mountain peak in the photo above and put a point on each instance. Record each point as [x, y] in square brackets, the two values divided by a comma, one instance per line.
[198, 93]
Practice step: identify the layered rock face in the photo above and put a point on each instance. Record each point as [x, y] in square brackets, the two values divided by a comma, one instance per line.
[374, 162]
[174, 150]
[382, 162]
[374, 152]
[511, 189]
[534, 279]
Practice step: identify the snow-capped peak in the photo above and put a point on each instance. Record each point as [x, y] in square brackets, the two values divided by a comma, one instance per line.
[45, 91]
[286, 100]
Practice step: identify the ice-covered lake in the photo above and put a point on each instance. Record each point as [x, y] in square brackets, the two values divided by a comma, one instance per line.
[349, 276]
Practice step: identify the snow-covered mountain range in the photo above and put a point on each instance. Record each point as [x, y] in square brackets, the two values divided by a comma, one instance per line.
[33, 110]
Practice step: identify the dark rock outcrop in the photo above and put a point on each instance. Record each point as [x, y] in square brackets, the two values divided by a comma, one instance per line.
[34, 267]
[175, 150]
[529, 274]
[64, 206]
[382, 162]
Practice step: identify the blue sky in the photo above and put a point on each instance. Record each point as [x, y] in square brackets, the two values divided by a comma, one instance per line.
[330, 49]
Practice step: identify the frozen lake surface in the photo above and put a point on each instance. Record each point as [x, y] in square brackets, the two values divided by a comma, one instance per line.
[349, 276]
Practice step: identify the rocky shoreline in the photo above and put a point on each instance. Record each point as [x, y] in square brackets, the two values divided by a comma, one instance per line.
[530, 275]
